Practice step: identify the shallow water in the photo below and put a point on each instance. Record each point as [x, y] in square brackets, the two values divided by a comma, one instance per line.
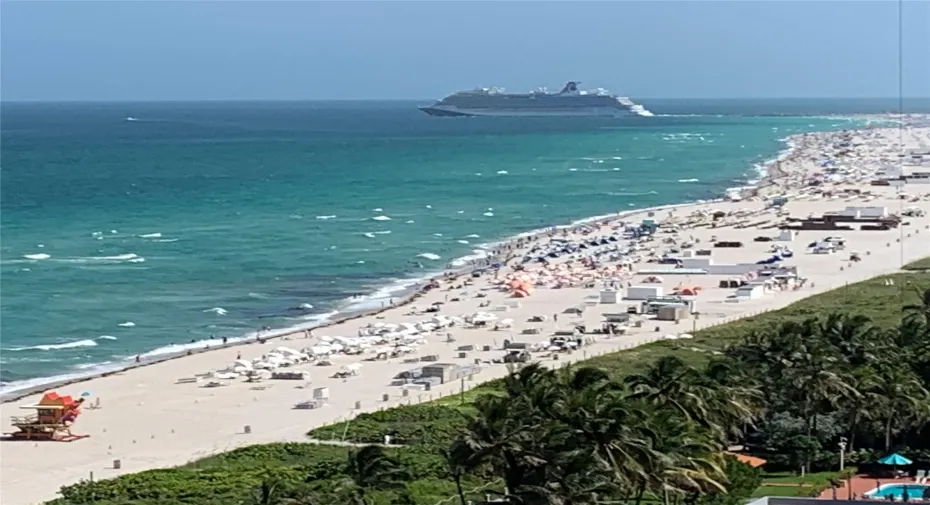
[122, 237]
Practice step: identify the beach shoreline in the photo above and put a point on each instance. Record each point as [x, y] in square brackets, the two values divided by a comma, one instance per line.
[769, 176]
[412, 295]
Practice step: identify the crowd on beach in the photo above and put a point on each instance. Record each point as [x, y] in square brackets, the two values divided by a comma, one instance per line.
[556, 296]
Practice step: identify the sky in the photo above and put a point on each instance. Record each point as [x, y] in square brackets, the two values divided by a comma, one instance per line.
[301, 50]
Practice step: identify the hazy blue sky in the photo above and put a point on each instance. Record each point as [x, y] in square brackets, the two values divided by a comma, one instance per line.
[157, 50]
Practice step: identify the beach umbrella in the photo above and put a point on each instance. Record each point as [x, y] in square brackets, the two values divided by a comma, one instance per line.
[895, 459]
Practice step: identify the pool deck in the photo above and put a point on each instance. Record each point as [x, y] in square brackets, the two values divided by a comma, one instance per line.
[860, 484]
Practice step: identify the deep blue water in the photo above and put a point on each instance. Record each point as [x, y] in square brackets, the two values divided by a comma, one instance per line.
[122, 236]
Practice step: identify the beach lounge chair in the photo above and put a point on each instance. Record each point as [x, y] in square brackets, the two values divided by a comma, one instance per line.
[921, 476]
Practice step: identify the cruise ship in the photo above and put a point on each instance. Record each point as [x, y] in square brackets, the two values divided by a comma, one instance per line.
[571, 101]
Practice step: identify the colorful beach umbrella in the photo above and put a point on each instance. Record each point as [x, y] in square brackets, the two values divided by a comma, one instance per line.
[895, 459]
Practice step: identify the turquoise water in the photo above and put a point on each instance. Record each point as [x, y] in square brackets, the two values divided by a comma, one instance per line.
[897, 491]
[127, 236]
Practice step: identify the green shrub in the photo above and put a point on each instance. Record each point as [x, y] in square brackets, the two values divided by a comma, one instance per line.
[413, 424]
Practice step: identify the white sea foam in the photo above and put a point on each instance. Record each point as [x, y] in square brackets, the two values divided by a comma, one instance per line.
[488, 214]
[460, 212]
[220, 311]
[429, 256]
[476, 254]
[383, 232]
[472, 236]
[22, 385]
[87, 342]
[305, 306]
[182, 348]
[127, 324]
[381, 218]
[437, 234]
[166, 240]
[39, 256]
[689, 180]
[502, 172]
[90, 259]
[410, 221]
[118, 257]
[369, 234]
[620, 193]
[379, 209]
[320, 317]
[107, 337]
[151, 235]
[92, 366]
[137, 260]
[462, 241]
[326, 217]
[382, 296]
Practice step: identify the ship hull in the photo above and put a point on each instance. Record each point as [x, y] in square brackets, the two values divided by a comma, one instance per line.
[449, 111]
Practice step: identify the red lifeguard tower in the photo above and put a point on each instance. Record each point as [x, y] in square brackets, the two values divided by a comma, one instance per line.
[54, 415]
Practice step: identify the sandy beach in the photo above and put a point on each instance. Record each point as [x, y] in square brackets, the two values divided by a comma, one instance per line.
[158, 416]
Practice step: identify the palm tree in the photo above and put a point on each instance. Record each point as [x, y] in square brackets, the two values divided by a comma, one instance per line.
[689, 460]
[460, 459]
[508, 432]
[905, 400]
[863, 407]
[269, 492]
[919, 311]
[670, 383]
[371, 468]
[603, 418]
[852, 336]
[733, 400]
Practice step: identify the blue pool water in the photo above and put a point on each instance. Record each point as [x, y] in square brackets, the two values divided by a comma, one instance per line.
[897, 490]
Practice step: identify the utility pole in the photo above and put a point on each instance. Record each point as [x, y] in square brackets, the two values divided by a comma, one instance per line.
[842, 453]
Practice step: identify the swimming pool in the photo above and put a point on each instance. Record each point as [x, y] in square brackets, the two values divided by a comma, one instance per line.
[897, 490]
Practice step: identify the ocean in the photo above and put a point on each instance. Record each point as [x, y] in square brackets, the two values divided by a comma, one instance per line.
[142, 228]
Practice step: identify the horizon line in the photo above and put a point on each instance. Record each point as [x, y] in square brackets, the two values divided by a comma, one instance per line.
[309, 100]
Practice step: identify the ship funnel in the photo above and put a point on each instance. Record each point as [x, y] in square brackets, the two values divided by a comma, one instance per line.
[570, 87]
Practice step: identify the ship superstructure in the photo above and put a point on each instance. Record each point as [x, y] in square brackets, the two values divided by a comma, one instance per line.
[570, 101]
